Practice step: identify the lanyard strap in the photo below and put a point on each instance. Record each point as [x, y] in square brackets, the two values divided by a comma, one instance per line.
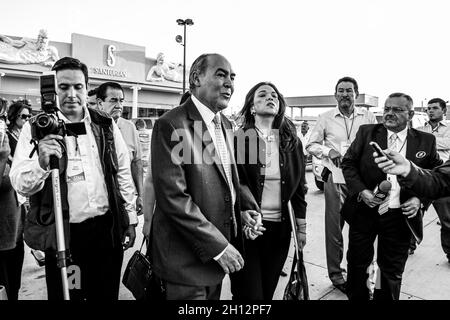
[351, 127]
[404, 142]
[433, 130]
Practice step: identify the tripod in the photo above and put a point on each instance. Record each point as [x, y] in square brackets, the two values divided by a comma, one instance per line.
[60, 240]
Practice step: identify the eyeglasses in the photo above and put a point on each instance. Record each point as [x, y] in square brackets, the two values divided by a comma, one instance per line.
[394, 109]
[25, 116]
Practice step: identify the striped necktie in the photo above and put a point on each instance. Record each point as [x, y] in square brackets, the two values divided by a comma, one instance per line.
[384, 206]
[225, 161]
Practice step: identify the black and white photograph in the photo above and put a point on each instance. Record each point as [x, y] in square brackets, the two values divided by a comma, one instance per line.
[240, 153]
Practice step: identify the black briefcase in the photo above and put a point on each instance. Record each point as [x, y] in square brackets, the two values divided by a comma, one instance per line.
[140, 279]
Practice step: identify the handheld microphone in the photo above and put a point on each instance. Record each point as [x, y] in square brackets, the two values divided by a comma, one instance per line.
[382, 190]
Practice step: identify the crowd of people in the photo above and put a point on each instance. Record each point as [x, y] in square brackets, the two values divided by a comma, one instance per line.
[216, 199]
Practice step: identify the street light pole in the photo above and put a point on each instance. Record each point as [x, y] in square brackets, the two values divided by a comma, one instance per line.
[183, 23]
[184, 60]
[2, 74]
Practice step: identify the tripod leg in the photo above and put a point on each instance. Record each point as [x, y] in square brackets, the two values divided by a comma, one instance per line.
[60, 239]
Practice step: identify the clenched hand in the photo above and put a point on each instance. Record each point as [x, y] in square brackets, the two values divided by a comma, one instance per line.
[231, 260]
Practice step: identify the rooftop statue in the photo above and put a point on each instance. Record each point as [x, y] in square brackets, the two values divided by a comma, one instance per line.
[28, 51]
[162, 71]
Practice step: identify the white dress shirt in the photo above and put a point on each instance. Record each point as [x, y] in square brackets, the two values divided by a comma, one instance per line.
[304, 139]
[442, 134]
[394, 198]
[87, 194]
[335, 131]
[207, 116]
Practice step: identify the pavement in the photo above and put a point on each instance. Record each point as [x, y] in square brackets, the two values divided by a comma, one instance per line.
[426, 276]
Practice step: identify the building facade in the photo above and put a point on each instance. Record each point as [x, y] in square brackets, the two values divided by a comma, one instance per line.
[108, 60]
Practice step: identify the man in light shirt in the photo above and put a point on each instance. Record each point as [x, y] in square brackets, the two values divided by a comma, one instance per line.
[96, 190]
[331, 137]
[440, 128]
[304, 135]
[110, 98]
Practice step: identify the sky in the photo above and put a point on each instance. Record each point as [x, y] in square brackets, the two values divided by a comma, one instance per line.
[302, 46]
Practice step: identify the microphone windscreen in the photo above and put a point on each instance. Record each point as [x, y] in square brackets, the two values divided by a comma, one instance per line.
[385, 186]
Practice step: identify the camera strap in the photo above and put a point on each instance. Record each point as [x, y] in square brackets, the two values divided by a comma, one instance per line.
[35, 148]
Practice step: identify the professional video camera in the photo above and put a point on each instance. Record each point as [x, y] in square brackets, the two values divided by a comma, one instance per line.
[48, 122]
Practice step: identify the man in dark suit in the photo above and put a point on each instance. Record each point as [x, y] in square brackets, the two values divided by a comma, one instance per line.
[196, 226]
[394, 219]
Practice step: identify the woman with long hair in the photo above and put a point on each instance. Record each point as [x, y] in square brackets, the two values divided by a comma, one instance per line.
[271, 166]
[12, 214]
[19, 112]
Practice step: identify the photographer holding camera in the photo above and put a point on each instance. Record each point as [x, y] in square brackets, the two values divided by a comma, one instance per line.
[96, 190]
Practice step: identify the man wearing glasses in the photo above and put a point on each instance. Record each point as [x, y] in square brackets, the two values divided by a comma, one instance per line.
[393, 219]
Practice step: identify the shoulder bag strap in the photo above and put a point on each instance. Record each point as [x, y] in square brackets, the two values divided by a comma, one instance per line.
[292, 219]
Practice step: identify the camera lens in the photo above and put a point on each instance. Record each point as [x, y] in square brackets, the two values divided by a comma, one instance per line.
[46, 124]
[43, 121]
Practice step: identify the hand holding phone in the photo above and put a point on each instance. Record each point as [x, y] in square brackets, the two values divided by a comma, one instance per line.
[377, 148]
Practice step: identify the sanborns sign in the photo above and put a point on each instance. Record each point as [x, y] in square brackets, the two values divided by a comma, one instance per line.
[109, 72]
[110, 62]
[109, 59]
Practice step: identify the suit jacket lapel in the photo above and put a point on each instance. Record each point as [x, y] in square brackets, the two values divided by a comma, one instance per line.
[411, 145]
[204, 135]
[381, 137]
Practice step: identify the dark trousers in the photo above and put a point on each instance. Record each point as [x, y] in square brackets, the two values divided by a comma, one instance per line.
[11, 262]
[175, 291]
[264, 259]
[393, 241]
[100, 262]
[442, 207]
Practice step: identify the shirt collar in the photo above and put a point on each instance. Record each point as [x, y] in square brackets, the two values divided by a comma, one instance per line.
[338, 112]
[205, 112]
[441, 123]
[401, 135]
[87, 116]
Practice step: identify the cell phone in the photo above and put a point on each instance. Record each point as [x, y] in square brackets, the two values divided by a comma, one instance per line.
[377, 148]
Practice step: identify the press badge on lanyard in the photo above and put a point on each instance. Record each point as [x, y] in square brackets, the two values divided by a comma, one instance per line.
[346, 144]
[75, 172]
